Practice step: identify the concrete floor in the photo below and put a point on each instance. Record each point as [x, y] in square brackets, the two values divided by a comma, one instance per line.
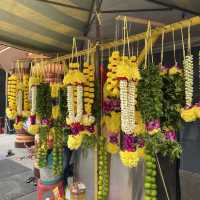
[6, 143]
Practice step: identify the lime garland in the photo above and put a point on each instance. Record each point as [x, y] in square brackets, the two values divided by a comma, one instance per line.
[42, 147]
[103, 173]
[43, 101]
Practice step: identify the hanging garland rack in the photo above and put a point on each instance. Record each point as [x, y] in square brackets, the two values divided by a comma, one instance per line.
[134, 38]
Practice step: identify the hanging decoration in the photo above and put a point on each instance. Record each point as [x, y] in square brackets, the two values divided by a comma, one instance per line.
[11, 110]
[34, 81]
[103, 171]
[127, 74]
[189, 113]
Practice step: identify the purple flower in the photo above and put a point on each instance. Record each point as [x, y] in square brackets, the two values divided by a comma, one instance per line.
[197, 104]
[170, 135]
[76, 128]
[113, 139]
[33, 119]
[154, 124]
[45, 122]
[91, 129]
[128, 143]
[140, 142]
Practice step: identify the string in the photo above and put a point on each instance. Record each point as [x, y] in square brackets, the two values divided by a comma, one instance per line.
[162, 48]
[189, 41]
[127, 35]
[137, 48]
[151, 47]
[174, 46]
[183, 45]
[124, 38]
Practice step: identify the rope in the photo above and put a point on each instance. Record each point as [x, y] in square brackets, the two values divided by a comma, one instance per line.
[162, 177]
[174, 46]
[189, 41]
[162, 48]
[183, 45]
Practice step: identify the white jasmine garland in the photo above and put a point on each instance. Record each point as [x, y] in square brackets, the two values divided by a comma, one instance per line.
[131, 105]
[70, 102]
[188, 74]
[79, 113]
[124, 105]
[19, 102]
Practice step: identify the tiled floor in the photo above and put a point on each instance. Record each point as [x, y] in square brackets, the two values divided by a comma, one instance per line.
[7, 143]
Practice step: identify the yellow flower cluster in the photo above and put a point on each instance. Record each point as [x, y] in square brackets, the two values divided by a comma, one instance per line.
[18, 126]
[174, 70]
[139, 125]
[12, 93]
[34, 81]
[112, 122]
[112, 86]
[33, 129]
[128, 69]
[88, 72]
[26, 113]
[74, 141]
[190, 114]
[141, 152]
[88, 120]
[112, 148]
[55, 111]
[55, 87]
[74, 78]
[129, 159]
[26, 92]
[11, 114]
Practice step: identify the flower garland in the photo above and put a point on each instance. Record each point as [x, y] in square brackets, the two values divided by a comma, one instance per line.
[74, 79]
[127, 74]
[33, 83]
[11, 110]
[112, 124]
[18, 122]
[26, 104]
[112, 87]
[88, 119]
[189, 113]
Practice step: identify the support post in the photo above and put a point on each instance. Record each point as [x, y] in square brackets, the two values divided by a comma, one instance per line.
[99, 94]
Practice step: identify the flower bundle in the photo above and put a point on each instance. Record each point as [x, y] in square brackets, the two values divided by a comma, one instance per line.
[11, 110]
[88, 119]
[189, 113]
[55, 88]
[127, 75]
[112, 87]
[26, 103]
[74, 80]
[33, 83]
[112, 125]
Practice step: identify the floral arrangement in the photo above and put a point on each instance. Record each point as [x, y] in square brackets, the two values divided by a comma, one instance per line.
[33, 83]
[74, 79]
[11, 110]
[112, 125]
[26, 104]
[189, 113]
[128, 75]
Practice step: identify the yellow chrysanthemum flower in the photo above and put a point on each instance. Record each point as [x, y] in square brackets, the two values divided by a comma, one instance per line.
[33, 129]
[55, 111]
[112, 148]
[129, 159]
[18, 126]
[188, 115]
[197, 111]
[174, 70]
[74, 141]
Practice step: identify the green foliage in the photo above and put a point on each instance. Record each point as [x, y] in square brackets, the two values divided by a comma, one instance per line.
[43, 101]
[63, 104]
[158, 144]
[173, 90]
[150, 94]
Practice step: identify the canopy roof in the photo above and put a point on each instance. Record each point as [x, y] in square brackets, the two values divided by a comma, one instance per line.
[48, 25]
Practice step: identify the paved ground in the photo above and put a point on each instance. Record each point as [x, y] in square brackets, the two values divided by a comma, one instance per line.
[6, 143]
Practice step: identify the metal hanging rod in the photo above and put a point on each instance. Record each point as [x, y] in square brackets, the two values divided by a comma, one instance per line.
[133, 38]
